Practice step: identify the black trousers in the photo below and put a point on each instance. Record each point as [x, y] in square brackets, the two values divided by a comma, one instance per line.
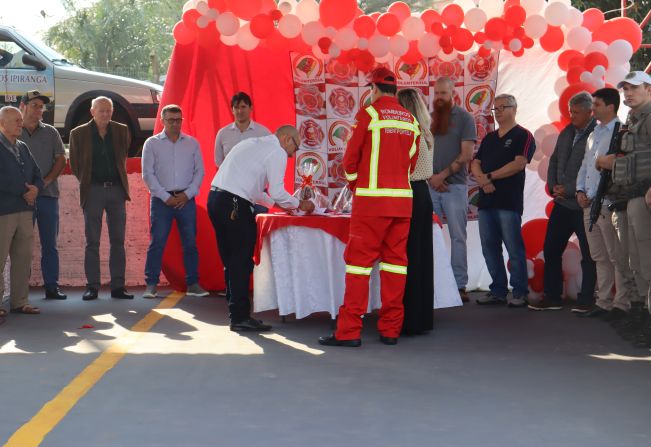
[419, 289]
[234, 222]
[563, 222]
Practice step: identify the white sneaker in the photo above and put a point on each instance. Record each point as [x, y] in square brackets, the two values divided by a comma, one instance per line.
[516, 301]
[196, 290]
[150, 292]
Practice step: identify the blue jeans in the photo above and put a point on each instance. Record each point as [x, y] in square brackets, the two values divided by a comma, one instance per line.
[497, 226]
[46, 215]
[453, 205]
[161, 217]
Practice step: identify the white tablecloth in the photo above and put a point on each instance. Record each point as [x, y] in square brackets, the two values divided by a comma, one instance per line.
[302, 271]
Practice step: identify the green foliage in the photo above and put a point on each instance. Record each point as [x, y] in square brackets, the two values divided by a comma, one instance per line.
[117, 35]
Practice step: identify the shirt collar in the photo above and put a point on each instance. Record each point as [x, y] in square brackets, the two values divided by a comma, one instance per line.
[163, 136]
[5, 141]
[645, 109]
[251, 126]
[609, 126]
[582, 131]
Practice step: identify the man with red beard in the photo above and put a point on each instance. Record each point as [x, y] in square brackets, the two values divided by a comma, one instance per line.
[455, 135]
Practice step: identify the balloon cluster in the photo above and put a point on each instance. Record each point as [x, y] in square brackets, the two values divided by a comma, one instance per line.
[596, 51]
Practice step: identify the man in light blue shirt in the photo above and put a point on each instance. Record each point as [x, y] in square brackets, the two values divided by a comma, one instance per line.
[605, 248]
[172, 167]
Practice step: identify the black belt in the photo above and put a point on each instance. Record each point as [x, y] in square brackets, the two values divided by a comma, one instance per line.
[173, 193]
[229, 194]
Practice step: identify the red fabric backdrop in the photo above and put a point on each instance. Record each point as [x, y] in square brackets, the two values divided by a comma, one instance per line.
[202, 80]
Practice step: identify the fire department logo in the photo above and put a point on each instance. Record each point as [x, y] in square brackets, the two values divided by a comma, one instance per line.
[336, 174]
[307, 68]
[310, 101]
[484, 125]
[343, 73]
[312, 134]
[342, 102]
[481, 68]
[365, 99]
[479, 99]
[411, 72]
[307, 158]
[338, 133]
[451, 69]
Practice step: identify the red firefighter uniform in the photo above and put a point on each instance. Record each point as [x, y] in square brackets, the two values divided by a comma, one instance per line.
[379, 157]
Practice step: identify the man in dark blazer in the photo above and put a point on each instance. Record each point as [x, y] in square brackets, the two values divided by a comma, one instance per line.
[98, 154]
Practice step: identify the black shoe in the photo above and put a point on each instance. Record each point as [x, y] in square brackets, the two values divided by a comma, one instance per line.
[388, 340]
[330, 340]
[596, 312]
[89, 294]
[54, 294]
[250, 325]
[121, 294]
[615, 315]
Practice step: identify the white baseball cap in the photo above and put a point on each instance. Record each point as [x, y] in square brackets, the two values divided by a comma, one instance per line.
[635, 78]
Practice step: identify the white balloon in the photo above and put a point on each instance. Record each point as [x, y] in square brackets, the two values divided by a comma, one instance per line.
[559, 86]
[362, 43]
[515, 45]
[287, 6]
[532, 6]
[619, 52]
[466, 5]
[228, 40]
[574, 18]
[549, 141]
[556, 13]
[212, 14]
[598, 83]
[530, 272]
[567, 3]
[428, 45]
[616, 74]
[245, 39]
[596, 46]
[334, 50]
[398, 45]
[345, 38]
[498, 46]
[203, 21]
[475, 19]
[190, 4]
[598, 72]
[378, 46]
[578, 38]
[413, 28]
[316, 51]
[202, 7]
[331, 31]
[571, 261]
[535, 26]
[312, 32]
[586, 76]
[307, 11]
[553, 112]
[227, 24]
[449, 57]
[289, 26]
[492, 8]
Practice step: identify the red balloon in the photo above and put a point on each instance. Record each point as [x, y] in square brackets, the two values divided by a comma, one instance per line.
[365, 61]
[437, 28]
[549, 208]
[515, 15]
[571, 90]
[593, 18]
[412, 56]
[462, 40]
[537, 283]
[483, 51]
[182, 35]
[533, 233]
[208, 37]
[480, 37]
[565, 57]
[388, 24]
[495, 29]
[449, 31]
[429, 16]
[364, 26]
[576, 61]
[509, 3]
[518, 53]
[190, 19]
[553, 39]
[219, 5]
[593, 59]
[619, 28]
[375, 16]
[518, 32]
[527, 42]
[452, 15]
[400, 9]
[262, 26]
[324, 43]
[276, 14]
[245, 10]
[337, 13]
[268, 6]
[445, 42]
[574, 74]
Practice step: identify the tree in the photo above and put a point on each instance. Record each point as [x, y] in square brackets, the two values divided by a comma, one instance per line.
[118, 35]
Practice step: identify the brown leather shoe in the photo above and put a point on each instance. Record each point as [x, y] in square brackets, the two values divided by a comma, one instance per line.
[465, 297]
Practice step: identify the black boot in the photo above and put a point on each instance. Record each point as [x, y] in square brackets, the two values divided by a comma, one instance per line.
[631, 326]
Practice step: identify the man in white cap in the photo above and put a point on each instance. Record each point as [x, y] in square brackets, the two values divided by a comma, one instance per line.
[631, 172]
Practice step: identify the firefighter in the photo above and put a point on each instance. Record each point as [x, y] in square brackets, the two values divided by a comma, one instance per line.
[380, 155]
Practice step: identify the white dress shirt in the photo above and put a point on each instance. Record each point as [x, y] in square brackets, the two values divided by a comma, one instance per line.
[229, 136]
[253, 164]
[172, 166]
[587, 180]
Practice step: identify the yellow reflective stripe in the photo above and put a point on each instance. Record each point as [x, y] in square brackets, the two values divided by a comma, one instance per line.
[399, 269]
[383, 192]
[375, 147]
[357, 270]
[393, 124]
[412, 151]
[351, 177]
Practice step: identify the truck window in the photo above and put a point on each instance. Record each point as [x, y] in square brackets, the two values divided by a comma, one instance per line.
[12, 55]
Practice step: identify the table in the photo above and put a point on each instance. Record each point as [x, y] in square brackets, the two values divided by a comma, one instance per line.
[300, 266]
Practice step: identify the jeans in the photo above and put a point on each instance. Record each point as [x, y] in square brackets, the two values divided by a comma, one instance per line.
[454, 206]
[563, 222]
[46, 215]
[161, 217]
[497, 226]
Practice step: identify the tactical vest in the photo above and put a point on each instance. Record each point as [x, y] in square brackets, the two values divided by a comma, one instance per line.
[632, 173]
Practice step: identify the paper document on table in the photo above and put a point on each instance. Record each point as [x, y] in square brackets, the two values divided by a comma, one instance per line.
[316, 212]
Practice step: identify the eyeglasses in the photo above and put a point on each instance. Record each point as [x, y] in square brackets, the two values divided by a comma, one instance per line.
[297, 143]
[174, 120]
[500, 108]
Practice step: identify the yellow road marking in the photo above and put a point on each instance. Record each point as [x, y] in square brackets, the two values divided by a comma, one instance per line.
[32, 433]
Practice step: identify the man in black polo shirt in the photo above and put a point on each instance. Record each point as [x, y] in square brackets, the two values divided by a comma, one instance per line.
[499, 167]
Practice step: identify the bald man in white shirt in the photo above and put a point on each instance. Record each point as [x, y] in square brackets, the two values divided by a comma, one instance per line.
[236, 188]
